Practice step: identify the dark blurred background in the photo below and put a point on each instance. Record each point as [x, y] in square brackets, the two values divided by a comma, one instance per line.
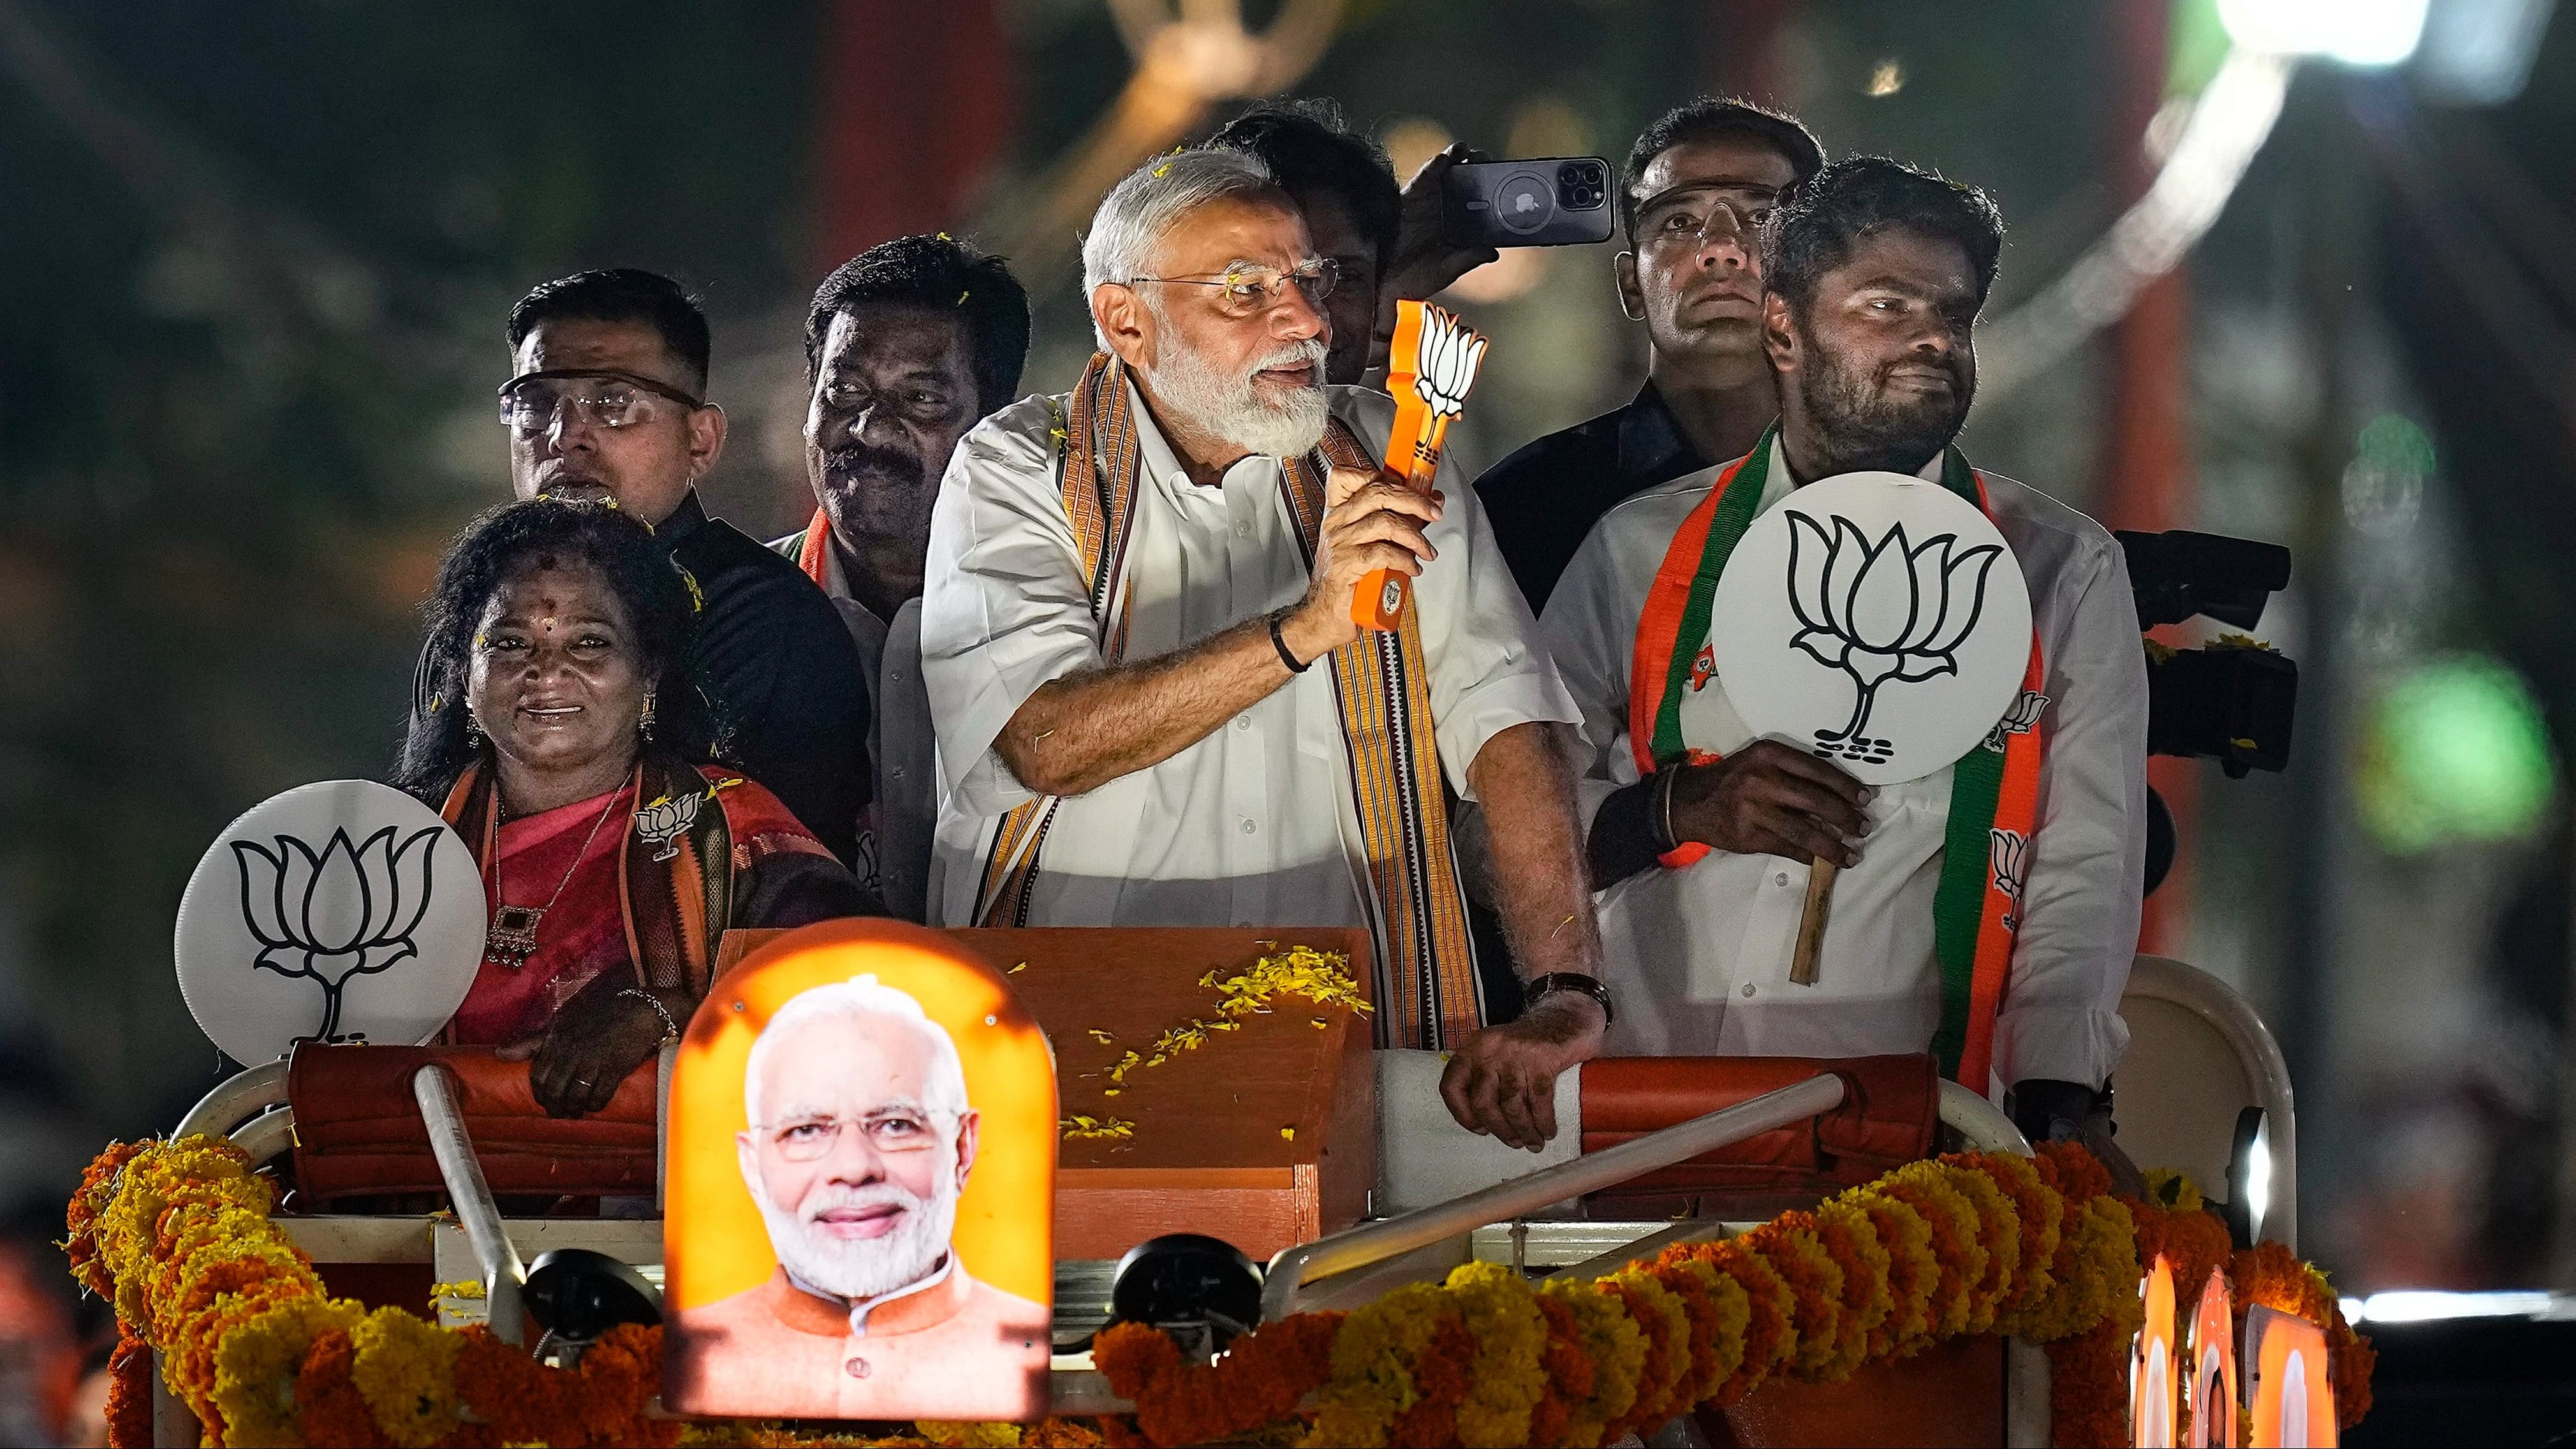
[254, 261]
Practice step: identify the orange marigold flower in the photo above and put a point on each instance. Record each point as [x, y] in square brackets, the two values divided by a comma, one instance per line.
[1926, 1188]
[328, 1408]
[1850, 1240]
[1770, 1330]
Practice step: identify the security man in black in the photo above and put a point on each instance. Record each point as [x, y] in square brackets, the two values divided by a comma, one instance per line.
[607, 400]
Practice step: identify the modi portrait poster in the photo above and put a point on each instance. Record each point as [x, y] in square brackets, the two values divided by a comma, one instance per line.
[861, 1186]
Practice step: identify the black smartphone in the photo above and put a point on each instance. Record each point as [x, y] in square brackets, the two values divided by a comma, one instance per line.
[1551, 201]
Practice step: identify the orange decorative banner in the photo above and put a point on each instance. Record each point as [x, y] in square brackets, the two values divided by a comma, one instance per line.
[862, 1174]
[1432, 364]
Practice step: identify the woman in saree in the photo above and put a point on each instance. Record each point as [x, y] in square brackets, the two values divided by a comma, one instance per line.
[565, 744]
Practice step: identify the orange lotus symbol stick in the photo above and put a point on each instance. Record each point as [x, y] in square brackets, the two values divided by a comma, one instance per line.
[1432, 365]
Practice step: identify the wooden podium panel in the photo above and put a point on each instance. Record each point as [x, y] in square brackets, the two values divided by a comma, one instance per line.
[1265, 1136]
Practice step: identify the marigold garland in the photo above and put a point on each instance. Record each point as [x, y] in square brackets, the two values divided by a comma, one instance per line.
[1852, 1242]
[177, 1235]
[1504, 1381]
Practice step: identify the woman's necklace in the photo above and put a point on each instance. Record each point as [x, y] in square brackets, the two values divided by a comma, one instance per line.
[513, 936]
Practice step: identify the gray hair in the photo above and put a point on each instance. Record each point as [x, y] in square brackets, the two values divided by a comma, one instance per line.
[861, 996]
[1138, 211]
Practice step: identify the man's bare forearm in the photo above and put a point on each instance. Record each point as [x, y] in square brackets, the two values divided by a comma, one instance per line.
[1080, 732]
[1527, 788]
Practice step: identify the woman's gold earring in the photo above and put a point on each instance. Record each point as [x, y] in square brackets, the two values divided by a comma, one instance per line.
[644, 726]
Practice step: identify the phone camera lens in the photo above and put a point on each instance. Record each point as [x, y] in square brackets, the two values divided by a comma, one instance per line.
[1581, 186]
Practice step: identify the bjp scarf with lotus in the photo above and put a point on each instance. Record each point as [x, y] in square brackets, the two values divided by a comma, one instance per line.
[1994, 791]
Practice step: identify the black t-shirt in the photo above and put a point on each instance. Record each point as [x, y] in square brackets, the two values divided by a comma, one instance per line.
[777, 671]
[1543, 500]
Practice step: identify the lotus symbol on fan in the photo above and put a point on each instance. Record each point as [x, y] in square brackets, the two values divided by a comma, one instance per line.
[1890, 612]
[2010, 857]
[1445, 362]
[665, 820]
[344, 911]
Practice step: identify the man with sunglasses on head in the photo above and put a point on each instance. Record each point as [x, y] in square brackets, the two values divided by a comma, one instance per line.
[1699, 182]
[1152, 703]
[607, 400]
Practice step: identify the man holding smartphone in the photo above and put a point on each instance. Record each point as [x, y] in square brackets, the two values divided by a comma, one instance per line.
[1385, 242]
[1136, 635]
[1697, 185]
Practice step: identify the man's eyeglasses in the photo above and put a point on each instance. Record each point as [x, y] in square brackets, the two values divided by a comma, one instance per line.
[1250, 290]
[603, 397]
[809, 1139]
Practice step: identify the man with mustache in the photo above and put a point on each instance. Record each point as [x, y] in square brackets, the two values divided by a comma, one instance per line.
[861, 1139]
[908, 344]
[607, 400]
[1698, 183]
[1876, 273]
[1153, 705]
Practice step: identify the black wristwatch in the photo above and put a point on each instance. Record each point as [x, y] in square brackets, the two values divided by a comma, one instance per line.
[1553, 982]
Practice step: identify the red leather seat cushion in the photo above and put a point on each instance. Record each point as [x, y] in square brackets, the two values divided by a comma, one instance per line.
[1890, 1105]
[358, 1129]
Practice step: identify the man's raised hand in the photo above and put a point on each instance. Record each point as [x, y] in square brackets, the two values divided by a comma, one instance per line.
[1771, 798]
[1369, 524]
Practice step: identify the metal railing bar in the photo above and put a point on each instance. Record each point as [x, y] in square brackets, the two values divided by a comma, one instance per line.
[1373, 1242]
[480, 1216]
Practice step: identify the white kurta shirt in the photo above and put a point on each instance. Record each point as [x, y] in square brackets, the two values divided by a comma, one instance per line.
[1698, 958]
[1254, 824]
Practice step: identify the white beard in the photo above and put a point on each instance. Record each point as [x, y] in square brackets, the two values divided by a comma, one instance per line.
[1239, 410]
[859, 1268]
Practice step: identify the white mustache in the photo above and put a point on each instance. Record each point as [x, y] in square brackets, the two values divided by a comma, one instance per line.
[832, 1199]
[1295, 354]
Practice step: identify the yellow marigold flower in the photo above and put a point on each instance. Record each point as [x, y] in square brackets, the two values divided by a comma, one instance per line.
[1617, 1348]
[1672, 1326]
[1999, 1231]
[1505, 1381]
[1927, 1187]
[406, 1371]
[1852, 1238]
[1371, 1382]
[256, 1364]
[2172, 1188]
[949, 1435]
[1913, 1272]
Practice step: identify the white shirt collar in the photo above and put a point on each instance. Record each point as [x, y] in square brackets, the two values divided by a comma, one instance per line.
[860, 1308]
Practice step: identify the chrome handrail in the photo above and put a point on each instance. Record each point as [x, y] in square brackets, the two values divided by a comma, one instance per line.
[1981, 1122]
[1374, 1242]
[266, 1135]
[503, 1274]
[235, 1100]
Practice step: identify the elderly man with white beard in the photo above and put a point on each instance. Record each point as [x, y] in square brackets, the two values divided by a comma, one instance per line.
[1129, 592]
[861, 1140]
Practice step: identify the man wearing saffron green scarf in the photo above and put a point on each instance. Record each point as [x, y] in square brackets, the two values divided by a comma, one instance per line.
[1987, 912]
[1152, 704]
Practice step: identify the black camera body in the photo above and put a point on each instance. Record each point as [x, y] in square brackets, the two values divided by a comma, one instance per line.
[2231, 701]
